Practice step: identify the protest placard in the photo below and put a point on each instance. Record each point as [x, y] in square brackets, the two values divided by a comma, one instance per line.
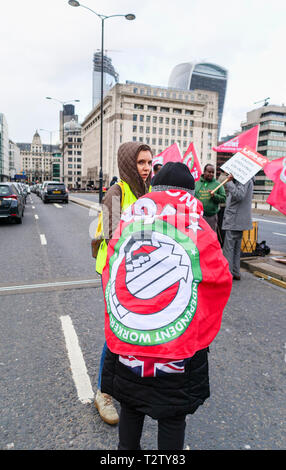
[244, 164]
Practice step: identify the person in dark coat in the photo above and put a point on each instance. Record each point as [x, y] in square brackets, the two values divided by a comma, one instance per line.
[167, 399]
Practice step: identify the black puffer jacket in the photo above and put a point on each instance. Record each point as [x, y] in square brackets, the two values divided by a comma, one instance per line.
[158, 397]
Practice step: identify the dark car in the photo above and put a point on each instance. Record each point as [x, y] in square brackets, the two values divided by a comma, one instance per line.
[11, 203]
[54, 191]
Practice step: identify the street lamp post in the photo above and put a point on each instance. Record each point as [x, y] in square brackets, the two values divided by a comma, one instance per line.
[130, 16]
[51, 133]
[63, 132]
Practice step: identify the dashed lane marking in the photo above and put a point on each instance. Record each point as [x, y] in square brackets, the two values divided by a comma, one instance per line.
[43, 239]
[281, 234]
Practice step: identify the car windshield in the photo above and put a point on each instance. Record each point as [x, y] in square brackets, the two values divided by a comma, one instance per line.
[4, 190]
[56, 186]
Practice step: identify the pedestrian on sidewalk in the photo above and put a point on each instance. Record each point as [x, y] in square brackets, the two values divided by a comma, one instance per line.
[211, 202]
[237, 218]
[134, 164]
[170, 387]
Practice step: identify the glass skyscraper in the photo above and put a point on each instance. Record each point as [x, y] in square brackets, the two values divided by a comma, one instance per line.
[4, 149]
[110, 77]
[201, 76]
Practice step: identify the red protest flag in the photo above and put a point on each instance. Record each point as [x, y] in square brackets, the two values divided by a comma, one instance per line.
[166, 281]
[170, 154]
[191, 160]
[238, 142]
[276, 171]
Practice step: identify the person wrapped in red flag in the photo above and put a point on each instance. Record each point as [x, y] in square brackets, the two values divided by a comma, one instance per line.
[276, 171]
[166, 284]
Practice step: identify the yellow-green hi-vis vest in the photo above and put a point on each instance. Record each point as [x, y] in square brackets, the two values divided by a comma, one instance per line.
[127, 198]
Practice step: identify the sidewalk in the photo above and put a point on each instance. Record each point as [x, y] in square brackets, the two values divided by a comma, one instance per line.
[265, 267]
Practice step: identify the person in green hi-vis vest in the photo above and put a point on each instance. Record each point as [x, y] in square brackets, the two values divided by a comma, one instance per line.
[134, 164]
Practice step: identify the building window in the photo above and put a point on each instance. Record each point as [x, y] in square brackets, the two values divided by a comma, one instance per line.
[138, 106]
[164, 109]
[134, 128]
[154, 119]
[141, 117]
[154, 130]
[188, 111]
[152, 108]
[134, 117]
[177, 111]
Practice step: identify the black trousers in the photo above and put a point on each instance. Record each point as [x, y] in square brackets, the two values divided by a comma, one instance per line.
[171, 431]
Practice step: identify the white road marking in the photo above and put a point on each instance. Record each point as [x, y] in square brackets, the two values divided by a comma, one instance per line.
[51, 284]
[271, 221]
[78, 367]
[43, 239]
[281, 234]
[36, 216]
[58, 205]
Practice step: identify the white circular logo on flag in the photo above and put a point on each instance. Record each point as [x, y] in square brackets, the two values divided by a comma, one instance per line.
[152, 290]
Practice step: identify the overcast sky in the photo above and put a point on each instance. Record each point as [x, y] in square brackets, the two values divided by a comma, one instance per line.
[47, 48]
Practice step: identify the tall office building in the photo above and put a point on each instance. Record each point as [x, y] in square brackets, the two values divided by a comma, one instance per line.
[4, 149]
[110, 77]
[201, 76]
[272, 136]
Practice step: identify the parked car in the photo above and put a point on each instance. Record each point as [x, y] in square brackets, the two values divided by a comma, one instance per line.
[54, 191]
[11, 203]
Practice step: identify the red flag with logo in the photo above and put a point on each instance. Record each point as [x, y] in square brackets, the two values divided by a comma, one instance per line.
[276, 171]
[238, 142]
[191, 160]
[166, 281]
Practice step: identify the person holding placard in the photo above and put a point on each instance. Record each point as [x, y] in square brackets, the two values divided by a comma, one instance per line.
[237, 218]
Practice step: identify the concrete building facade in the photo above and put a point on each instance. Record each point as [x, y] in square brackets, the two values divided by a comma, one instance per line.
[36, 159]
[14, 159]
[4, 149]
[73, 154]
[272, 137]
[157, 116]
